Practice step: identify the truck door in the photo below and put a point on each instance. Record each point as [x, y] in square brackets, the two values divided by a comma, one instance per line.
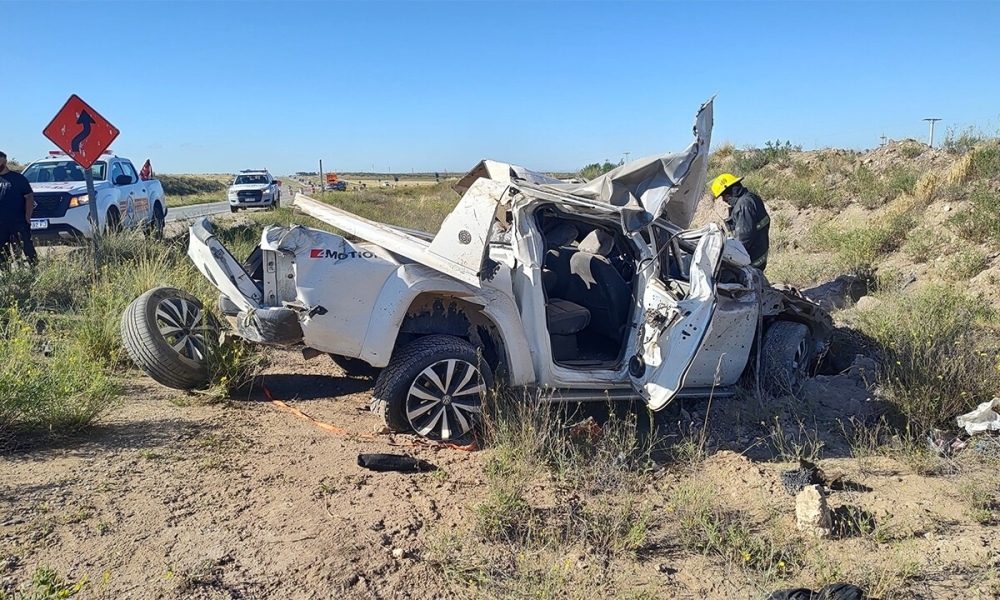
[674, 329]
[139, 193]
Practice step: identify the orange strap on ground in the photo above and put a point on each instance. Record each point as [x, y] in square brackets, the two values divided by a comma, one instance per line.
[298, 413]
[420, 443]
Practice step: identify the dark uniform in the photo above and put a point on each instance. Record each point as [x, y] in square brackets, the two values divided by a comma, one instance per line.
[14, 227]
[750, 223]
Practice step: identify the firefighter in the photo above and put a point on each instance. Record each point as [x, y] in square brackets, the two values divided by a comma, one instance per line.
[748, 219]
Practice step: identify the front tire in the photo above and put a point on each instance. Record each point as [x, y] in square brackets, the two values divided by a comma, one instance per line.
[786, 356]
[233, 209]
[433, 386]
[167, 334]
[112, 221]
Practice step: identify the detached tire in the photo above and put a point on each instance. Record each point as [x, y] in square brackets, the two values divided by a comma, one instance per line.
[785, 357]
[433, 386]
[166, 332]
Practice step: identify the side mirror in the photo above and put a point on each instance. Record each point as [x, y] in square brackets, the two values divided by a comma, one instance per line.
[123, 180]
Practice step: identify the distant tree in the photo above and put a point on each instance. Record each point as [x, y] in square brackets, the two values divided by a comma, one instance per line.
[597, 169]
[13, 165]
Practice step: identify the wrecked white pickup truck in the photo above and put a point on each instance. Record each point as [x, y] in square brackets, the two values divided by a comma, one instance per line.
[591, 291]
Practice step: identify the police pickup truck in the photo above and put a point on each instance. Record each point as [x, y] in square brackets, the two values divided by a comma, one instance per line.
[62, 208]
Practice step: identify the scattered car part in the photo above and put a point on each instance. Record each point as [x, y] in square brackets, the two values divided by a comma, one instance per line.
[167, 333]
[394, 462]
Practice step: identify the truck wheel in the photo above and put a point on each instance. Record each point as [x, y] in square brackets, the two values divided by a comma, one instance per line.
[433, 386]
[233, 209]
[166, 332]
[355, 367]
[113, 221]
[786, 355]
[156, 224]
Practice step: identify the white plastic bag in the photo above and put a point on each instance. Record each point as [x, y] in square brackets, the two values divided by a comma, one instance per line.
[983, 418]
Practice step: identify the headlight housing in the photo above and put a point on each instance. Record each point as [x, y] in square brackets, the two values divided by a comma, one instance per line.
[79, 201]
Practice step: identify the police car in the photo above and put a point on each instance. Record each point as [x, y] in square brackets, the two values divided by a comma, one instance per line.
[253, 188]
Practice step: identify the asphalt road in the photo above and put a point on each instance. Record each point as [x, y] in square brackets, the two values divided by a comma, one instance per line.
[187, 213]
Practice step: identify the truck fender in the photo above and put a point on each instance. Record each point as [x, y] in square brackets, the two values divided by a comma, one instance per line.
[413, 280]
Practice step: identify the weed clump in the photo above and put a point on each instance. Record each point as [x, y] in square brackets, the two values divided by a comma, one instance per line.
[940, 354]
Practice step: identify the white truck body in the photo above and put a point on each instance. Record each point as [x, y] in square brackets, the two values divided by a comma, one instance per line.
[62, 202]
[629, 304]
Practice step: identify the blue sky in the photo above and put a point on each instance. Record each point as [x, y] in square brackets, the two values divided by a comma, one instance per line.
[210, 87]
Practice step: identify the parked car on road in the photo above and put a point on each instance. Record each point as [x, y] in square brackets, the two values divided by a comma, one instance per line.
[62, 202]
[253, 188]
[589, 291]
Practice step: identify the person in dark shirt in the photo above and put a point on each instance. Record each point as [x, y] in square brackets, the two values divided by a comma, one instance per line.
[16, 203]
[748, 219]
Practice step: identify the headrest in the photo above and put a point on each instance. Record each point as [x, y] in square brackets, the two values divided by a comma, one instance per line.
[562, 234]
[597, 242]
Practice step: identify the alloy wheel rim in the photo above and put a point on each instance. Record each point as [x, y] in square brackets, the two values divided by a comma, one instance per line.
[184, 327]
[444, 399]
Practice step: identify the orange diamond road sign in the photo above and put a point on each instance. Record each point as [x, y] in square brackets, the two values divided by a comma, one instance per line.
[79, 131]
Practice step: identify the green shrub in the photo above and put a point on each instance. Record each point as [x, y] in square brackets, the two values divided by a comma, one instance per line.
[872, 190]
[47, 384]
[911, 149]
[985, 161]
[46, 584]
[857, 250]
[732, 536]
[967, 264]
[980, 222]
[921, 244]
[961, 142]
[754, 159]
[940, 353]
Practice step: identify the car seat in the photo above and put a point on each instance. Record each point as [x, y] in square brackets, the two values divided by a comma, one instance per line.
[595, 284]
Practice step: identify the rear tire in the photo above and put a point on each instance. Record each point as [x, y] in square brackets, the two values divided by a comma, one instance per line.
[786, 357]
[167, 333]
[156, 223]
[433, 386]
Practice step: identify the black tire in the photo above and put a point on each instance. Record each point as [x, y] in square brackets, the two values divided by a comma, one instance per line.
[233, 209]
[157, 222]
[112, 221]
[355, 367]
[786, 356]
[155, 323]
[416, 390]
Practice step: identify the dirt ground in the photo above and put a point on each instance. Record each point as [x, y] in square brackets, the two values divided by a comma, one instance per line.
[169, 498]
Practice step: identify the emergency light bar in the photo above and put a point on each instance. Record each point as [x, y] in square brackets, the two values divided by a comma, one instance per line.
[61, 153]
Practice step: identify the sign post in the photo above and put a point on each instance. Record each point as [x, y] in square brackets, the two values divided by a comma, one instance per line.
[83, 134]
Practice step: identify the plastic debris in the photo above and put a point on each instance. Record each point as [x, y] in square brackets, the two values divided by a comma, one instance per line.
[394, 462]
[984, 418]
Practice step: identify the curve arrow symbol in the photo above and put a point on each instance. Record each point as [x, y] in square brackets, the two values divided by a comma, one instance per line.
[86, 120]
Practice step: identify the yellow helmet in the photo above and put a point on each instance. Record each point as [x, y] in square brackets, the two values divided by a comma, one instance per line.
[720, 183]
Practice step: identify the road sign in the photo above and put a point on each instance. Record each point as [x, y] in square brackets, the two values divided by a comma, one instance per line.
[79, 131]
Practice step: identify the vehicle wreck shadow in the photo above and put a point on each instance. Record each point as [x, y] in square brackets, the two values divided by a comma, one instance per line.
[289, 386]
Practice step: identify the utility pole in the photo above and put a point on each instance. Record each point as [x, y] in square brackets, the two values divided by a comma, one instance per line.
[883, 139]
[626, 156]
[930, 142]
[322, 182]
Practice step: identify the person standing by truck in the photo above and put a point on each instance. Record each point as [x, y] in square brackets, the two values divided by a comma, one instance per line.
[16, 204]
